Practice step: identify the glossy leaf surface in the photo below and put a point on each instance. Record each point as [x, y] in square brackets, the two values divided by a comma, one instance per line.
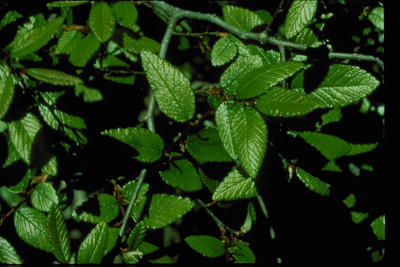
[92, 248]
[44, 197]
[58, 233]
[208, 246]
[313, 183]
[235, 186]
[8, 255]
[54, 77]
[299, 16]
[6, 94]
[102, 21]
[241, 18]
[108, 210]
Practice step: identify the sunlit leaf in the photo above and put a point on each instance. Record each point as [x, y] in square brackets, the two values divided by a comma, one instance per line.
[102, 21]
[171, 88]
[378, 227]
[8, 255]
[313, 183]
[224, 50]
[44, 197]
[126, 14]
[377, 17]
[6, 94]
[137, 235]
[92, 248]
[235, 186]
[208, 246]
[241, 18]
[59, 238]
[299, 16]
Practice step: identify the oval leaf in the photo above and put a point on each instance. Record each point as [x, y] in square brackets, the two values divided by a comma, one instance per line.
[223, 51]
[208, 246]
[313, 183]
[44, 197]
[148, 144]
[281, 102]
[8, 255]
[6, 94]
[94, 245]
[235, 186]
[165, 209]
[126, 14]
[344, 85]
[299, 16]
[58, 233]
[53, 76]
[102, 21]
[241, 18]
[84, 50]
[171, 88]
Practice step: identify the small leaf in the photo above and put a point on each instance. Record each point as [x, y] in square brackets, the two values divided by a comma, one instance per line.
[242, 253]
[8, 255]
[126, 14]
[313, 183]
[165, 209]
[84, 50]
[29, 41]
[377, 17]
[137, 235]
[66, 3]
[67, 42]
[89, 94]
[357, 217]
[250, 219]
[108, 210]
[299, 16]
[102, 21]
[330, 146]
[182, 174]
[171, 88]
[235, 186]
[54, 77]
[224, 50]
[378, 227]
[6, 94]
[144, 43]
[31, 226]
[361, 148]
[92, 248]
[259, 80]
[208, 246]
[344, 85]
[148, 144]
[241, 18]
[350, 201]
[44, 196]
[281, 102]
[206, 146]
[127, 191]
[58, 233]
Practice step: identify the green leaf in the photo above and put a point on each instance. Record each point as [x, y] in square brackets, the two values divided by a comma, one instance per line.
[206, 146]
[113, 233]
[344, 85]
[165, 209]
[281, 102]
[137, 235]
[127, 191]
[9, 17]
[236, 72]
[243, 133]
[378, 227]
[44, 196]
[171, 88]
[330, 146]
[126, 14]
[224, 50]
[250, 220]
[144, 43]
[102, 21]
[67, 42]
[22, 135]
[89, 94]
[147, 248]
[377, 17]
[108, 210]
[148, 144]
[54, 77]
[299, 16]
[259, 80]
[29, 41]
[31, 226]
[313, 183]
[242, 253]
[182, 174]
[8, 255]
[235, 186]
[6, 94]
[361, 148]
[208, 246]
[23, 184]
[59, 238]
[357, 217]
[84, 50]
[92, 248]
[66, 3]
[350, 201]
[241, 18]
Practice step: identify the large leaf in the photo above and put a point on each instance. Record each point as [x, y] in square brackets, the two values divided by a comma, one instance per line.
[299, 16]
[224, 50]
[44, 197]
[6, 94]
[281, 102]
[8, 255]
[22, 135]
[242, 253]
[165, 209]
[241, 18]
[93, 247]
[135, 46]
[171, 88]
[148, 144]
[67, 42]
[102, 21]
[344, 85]
[259, 80]
[235, 186]
[84, 50]
[208, 246]
[182, 174]
[31, 226]
[126, 14]
[312, 182]
[59, 238]
[53, 76]
[207, 146]
[29, 41]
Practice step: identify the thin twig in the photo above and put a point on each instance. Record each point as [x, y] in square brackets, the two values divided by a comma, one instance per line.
[133, 200]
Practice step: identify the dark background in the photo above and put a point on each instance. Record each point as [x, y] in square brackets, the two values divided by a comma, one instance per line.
[310, 229]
